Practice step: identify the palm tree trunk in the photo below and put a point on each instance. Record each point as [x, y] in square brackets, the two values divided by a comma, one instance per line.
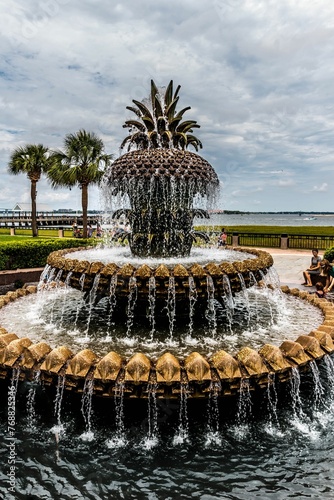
[84, 201]
[33, 193]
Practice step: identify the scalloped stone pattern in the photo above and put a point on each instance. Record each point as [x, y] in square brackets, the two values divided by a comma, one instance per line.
[168, 372]
[73, 269]
[144, 164]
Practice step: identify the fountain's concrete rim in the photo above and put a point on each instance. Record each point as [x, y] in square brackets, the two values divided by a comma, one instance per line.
[59, 259]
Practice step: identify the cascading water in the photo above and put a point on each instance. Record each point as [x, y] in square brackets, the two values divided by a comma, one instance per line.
[272, 400]
[244, 410]
[213, 419]
[119, 439]
[31, 412]
[86, 409]
[182, 433]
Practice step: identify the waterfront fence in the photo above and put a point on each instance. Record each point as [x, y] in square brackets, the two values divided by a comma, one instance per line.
[258, 240]
[284, 241]
[311, 241]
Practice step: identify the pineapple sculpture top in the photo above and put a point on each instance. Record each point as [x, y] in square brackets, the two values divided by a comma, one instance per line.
[161, 126]
[160, 177]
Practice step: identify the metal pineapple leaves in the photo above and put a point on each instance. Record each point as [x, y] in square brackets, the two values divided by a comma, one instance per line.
[160, 125]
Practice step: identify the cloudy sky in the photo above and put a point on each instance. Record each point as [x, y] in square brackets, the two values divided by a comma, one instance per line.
[258, 75]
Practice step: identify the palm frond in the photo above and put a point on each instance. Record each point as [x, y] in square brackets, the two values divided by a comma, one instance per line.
[154, 93]
[176, 91]
[168, 95]
[170, 111]
[149, 123]
[161, 125]
[158, 113]
[134, 110]
[134, 123]
[144, 109]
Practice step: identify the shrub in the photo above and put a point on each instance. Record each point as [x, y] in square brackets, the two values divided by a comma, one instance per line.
[329, 254]
[33, 253]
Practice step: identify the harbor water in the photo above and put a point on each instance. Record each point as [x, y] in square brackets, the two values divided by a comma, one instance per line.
[256, 219]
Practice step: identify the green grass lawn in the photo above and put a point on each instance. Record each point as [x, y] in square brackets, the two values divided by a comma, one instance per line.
[24, 234]
[5, 238]
[309, 230]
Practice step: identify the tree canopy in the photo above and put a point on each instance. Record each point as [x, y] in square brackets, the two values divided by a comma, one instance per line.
[82, 162]
[32, 160]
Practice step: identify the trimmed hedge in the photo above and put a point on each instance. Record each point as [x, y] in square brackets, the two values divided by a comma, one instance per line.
[329, 254]
[33, 253]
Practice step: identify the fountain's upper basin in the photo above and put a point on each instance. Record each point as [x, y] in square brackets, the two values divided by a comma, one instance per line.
[114, 271]
[122, 256]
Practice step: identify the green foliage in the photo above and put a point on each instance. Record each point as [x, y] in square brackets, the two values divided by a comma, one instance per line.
[33, 253]
[329, 254]
[31, 159]
[81, 163]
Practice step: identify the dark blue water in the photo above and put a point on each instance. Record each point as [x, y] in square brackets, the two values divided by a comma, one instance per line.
[277, 444]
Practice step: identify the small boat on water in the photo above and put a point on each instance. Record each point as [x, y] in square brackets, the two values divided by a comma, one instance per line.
[310, 218]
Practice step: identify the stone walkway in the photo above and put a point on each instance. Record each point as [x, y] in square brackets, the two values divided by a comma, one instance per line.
[290, 265]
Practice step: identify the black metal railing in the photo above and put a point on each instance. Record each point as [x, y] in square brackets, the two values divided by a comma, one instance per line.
[259, 240]
[310, 241]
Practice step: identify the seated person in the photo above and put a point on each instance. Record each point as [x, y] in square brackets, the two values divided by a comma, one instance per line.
[327, 270]
[313, 269]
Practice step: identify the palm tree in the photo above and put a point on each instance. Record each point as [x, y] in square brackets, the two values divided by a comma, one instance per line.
[82, 163]
[33, 160]
[160, 126]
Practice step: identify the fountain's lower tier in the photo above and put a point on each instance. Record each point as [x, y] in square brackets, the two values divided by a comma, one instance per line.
[195, 374]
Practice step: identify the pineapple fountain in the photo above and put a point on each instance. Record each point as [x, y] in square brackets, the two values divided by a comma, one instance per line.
[161, 284]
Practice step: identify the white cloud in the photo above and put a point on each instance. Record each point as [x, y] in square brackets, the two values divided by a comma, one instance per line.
[285, 182]
[322, 188]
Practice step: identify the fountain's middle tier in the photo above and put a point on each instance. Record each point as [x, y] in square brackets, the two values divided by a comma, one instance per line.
[114, 273]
